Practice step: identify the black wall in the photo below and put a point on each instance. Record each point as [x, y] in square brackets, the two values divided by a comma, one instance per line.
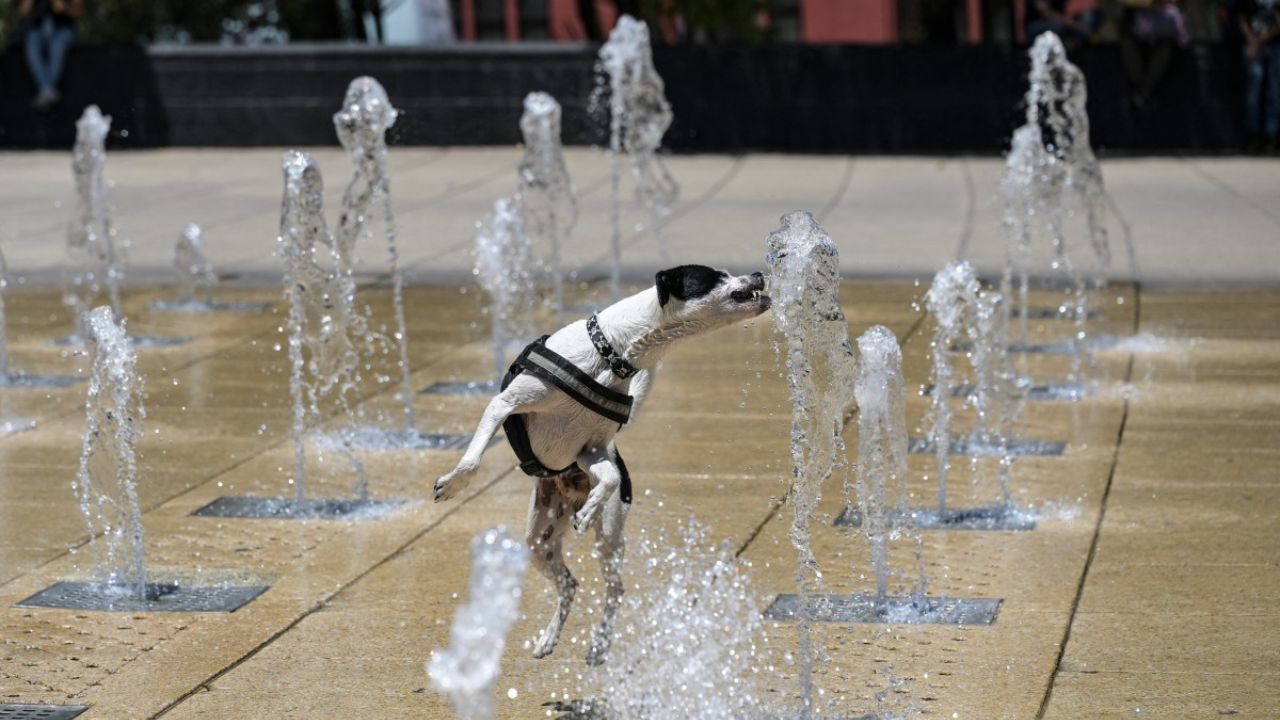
[810, 98]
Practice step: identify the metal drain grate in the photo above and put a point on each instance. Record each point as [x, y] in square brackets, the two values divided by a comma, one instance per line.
[1035, 392]
[473, 387]
[595, 709]
[261, 508]
[161, 597]
[862, 608]
[21, 380]
[1052, 313]
[995, 518]
[378, 439]
[198, 307]
[10, 711]
[968, 446]
[137, 341]
[1053, 348]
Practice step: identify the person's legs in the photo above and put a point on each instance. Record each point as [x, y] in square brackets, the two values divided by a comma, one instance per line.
[59, 43]
[36, 53]
[1271, 121]
[1253, 73]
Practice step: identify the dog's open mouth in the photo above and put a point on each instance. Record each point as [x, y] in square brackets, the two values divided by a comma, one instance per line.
[751, 296]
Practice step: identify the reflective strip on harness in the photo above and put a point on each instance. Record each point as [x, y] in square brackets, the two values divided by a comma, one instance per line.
[540, 362]
[603, 401]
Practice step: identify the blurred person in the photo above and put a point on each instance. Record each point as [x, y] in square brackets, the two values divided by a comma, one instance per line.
[1259, 22]
[50, 32]
[1154, 29]
[1051, 16]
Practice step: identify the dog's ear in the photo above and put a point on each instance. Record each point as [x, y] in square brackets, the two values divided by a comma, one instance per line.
[687, 282]
[663, 281]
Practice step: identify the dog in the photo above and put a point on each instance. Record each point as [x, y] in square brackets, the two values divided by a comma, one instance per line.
[566, 398]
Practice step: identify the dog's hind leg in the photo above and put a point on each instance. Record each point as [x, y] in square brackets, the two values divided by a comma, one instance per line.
[611, 545]
[549, 515]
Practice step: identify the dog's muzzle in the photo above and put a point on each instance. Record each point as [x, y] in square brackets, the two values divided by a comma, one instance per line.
[753, 293]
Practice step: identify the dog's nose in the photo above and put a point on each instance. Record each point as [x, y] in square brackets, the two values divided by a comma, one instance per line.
[757, 279]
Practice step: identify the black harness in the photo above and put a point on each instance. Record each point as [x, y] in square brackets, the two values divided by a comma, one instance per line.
[539, 361]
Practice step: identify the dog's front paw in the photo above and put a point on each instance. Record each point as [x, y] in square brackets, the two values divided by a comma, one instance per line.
[448, 486]
[546, 643]
[585, 518]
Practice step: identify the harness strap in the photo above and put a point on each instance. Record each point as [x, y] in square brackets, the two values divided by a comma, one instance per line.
[540, 362]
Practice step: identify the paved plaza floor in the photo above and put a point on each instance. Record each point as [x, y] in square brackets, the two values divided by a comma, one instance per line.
[1148, 587]
[1192, 220]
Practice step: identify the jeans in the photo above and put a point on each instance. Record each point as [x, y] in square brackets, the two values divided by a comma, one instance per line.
[47, 46]
[1263, 69]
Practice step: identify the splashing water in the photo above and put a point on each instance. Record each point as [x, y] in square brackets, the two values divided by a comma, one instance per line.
[467, 670]
[323, 323]
[999, 394]
[1049, 155]
[804, 281]
[106, 482]
[546, 191]
[502, 253]
[950, 301]
[690, 641]
[193, 268]
[362, 126]
[92, 247]
[639, 116]
[880, 392]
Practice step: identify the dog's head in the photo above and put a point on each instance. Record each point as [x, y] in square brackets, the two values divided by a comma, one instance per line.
[708, 297]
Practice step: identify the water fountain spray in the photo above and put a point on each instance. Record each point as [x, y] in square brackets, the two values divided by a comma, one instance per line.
[880, 392]
[362, 126]
[467, 670]
[502, 255]
[92, 247]
[193, 269]
[804, 281]
[690, 642]
[950, 301]
[998, 393]
[639, 116]
[324, 326]
[1050, 154]
[106, 482]
[546, 191]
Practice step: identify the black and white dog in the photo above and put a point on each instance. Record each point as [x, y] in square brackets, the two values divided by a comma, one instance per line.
[565, 399]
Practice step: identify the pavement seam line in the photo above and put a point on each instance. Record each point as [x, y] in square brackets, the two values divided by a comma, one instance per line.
[369, 396]
[320, 604]
[1097, 529]
[82, 542]
[1231, 190]
[470, 240]
[841, 189]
